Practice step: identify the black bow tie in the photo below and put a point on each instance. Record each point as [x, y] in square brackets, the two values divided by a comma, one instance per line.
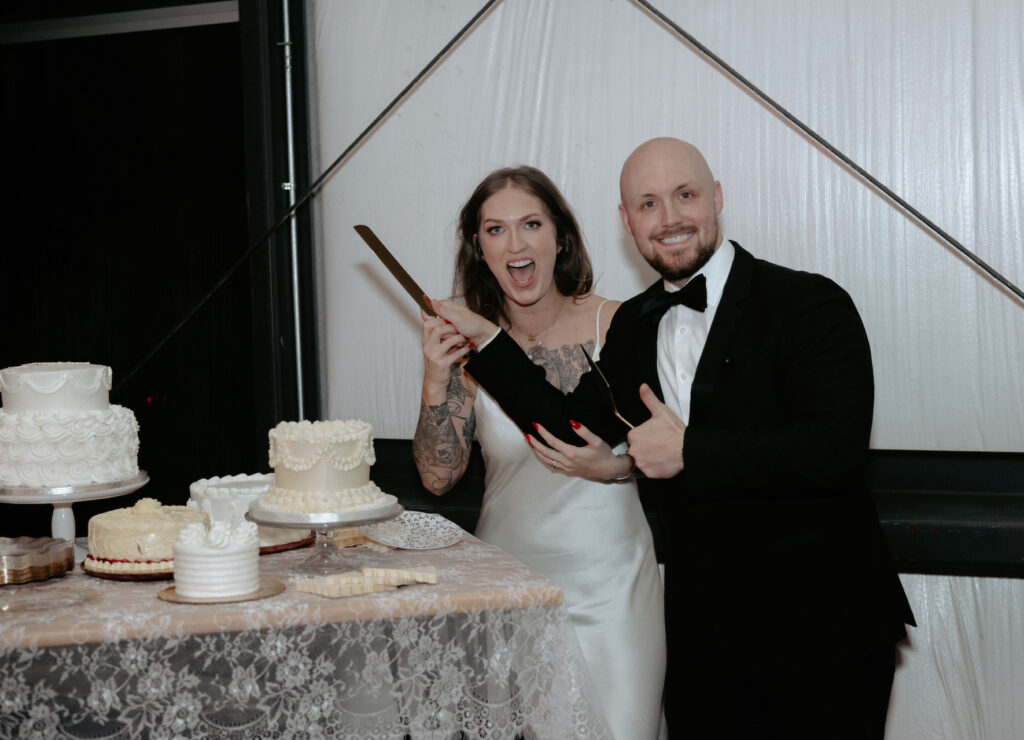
[693, 295]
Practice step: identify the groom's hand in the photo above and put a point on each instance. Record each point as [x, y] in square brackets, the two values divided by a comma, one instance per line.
[657, 444]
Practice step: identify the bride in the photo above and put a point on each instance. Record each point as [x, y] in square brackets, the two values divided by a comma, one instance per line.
[570, 513]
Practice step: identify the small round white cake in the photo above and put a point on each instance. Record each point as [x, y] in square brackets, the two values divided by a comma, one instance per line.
[218, 562]
[58, 428]
[322, 467]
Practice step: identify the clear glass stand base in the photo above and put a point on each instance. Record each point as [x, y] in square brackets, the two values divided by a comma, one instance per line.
[326, 557]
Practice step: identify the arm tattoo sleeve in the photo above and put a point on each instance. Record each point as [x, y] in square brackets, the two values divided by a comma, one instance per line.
[444, 437]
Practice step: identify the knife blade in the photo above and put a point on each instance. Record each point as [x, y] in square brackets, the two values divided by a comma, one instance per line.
[605, 388]
[394, 267]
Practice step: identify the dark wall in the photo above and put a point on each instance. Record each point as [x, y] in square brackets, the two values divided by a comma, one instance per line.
[124, 181]
[958, 513]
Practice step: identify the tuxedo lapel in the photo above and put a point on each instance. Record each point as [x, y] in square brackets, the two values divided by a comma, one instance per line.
[630, 356]
[646, 350]
[715, 359]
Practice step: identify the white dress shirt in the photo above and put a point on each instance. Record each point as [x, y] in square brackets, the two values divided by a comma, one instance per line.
[683, 332]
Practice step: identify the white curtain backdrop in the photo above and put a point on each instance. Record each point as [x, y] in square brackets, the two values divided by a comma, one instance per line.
[926, 95]
[963, 668]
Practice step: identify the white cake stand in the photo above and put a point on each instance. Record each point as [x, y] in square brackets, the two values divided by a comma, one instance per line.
[62, 523]
[327, 558]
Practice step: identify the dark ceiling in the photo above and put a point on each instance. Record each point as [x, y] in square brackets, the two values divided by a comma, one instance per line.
[40, 10]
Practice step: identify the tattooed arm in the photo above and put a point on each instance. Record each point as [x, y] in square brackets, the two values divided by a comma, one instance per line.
[444, 436]
[444, 432]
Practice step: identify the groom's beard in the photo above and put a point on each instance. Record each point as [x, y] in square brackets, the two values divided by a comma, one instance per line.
[676, 271]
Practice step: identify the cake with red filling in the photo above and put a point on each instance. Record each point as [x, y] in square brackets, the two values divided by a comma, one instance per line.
[138, 540]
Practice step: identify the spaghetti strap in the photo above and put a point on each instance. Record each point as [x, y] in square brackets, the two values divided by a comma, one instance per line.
[597, 327]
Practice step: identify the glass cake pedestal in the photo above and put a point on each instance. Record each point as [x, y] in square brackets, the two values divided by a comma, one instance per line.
[326, 557]
[62, 523]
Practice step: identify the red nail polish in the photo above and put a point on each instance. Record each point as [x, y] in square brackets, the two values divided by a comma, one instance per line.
[535, 426]
[528, 440]
[574, 424]
[472, 346]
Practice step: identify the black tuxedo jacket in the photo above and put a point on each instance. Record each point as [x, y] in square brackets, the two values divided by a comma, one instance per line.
[771, 541]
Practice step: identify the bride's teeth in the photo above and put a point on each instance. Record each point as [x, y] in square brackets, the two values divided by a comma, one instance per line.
[520, 263]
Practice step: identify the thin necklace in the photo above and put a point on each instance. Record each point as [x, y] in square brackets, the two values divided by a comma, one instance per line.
[535, 338]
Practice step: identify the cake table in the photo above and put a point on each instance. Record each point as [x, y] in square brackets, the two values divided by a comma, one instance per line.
[326, 558]
[62, 523]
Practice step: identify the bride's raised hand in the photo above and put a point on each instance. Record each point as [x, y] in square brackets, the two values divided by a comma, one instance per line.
[471, 325]
[443, 347]
[594, 461]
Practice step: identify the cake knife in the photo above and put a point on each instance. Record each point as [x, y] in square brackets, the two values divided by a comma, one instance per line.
[395, 268]
[606, 389]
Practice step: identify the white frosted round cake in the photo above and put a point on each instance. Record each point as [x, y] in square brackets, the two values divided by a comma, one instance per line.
[58, 427]
[217, 562]
[138, 540]
[227, 499]
[322, 467]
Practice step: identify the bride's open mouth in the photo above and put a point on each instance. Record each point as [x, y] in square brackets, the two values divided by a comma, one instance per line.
[521, 271]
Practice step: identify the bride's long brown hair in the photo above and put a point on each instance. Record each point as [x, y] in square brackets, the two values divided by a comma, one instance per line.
[474, 280]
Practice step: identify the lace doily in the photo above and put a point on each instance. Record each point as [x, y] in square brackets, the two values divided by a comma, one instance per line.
[415, 530]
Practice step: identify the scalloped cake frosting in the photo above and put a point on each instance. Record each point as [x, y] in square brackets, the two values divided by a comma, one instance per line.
[322, 467]
[58, 428]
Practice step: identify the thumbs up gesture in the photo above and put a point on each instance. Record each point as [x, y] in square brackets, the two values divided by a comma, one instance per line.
[657, 444]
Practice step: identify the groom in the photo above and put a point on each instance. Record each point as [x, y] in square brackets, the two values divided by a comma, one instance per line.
[750, 387]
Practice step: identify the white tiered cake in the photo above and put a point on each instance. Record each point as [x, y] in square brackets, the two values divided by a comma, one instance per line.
[322, 467]
[58, 427]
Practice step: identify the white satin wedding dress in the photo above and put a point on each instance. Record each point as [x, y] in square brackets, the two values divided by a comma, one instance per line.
[593, 540]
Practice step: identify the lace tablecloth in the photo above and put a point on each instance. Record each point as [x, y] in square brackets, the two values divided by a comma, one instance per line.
[488, 651]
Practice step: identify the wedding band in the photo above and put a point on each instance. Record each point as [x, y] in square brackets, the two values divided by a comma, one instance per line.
[553, 465]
